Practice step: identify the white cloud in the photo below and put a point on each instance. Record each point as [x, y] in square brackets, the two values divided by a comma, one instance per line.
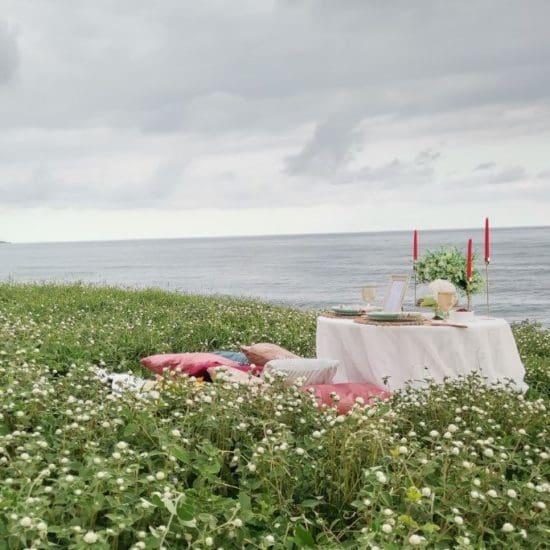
[180, 107]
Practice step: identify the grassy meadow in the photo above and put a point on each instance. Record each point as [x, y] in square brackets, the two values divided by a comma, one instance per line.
[459, 465]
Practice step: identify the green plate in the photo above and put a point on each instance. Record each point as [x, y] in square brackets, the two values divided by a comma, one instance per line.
[391, 316]
[384, 316]
[347, 310]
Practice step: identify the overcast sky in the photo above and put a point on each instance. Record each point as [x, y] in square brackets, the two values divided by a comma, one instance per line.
[174, 118]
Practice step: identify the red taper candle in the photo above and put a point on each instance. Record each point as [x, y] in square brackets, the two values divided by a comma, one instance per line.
[487, 242]
[469, 261]
[415, 245]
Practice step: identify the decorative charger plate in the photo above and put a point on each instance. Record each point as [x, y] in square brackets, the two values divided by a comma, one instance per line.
[389, 316]
[351, 310]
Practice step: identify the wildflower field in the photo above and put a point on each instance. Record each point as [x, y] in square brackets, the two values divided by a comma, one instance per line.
[460, 465]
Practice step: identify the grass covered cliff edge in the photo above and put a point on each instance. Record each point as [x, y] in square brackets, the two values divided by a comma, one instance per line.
[220, 466]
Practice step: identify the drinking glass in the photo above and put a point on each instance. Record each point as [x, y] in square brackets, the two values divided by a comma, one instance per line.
[445, 301]
[368, 292]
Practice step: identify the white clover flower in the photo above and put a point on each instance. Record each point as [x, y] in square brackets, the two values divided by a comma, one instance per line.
[122, 445]
[507, 528]
[387, 528]
[25, 522]
[492, 493]
[459, 520]
[426, 492]
[160, 476]
[540, 505]
[316, 434]
[433, 433]
[269, 539]
[511, 493]
[237, 522]
[488, 453]
[403, 450]
[415, 540]
[209, 541]
[381, 477]
[474, 494]
[300, 451]
[251, 467]
[90, 537]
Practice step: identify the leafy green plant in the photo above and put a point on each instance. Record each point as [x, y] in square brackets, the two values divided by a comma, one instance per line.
[449, 264]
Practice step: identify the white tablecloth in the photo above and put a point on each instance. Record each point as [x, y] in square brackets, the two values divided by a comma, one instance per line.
[369, 353]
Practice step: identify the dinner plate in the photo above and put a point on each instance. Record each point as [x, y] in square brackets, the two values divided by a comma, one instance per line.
[391, 316]
[347, 310]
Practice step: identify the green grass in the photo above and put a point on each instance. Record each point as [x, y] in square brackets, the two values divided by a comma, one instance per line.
[222, 466]
[86, 324]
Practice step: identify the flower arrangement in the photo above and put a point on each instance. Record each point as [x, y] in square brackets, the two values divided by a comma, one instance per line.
[449, 264]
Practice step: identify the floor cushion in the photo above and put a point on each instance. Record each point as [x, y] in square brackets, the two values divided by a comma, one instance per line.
[312, 371]
[260, 354]
[230, 374]
[234, 356]
[190, 364]
[348, 393]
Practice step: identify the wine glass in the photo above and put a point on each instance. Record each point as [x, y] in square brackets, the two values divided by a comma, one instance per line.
[445, 301]
[368, 293]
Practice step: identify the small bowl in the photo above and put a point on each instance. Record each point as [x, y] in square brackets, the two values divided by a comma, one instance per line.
[462, 316]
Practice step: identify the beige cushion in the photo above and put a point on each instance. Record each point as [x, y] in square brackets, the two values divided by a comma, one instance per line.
[260, 354]
[229, 374]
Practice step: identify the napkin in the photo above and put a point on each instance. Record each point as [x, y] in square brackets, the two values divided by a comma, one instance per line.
[441, 285]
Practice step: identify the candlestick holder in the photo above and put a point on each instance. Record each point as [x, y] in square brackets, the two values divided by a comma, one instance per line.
[487, 262]
[414, 281]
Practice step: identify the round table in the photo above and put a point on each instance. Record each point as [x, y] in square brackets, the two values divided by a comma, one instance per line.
[398, 354]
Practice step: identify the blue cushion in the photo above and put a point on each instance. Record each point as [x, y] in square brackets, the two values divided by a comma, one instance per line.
[234, 356]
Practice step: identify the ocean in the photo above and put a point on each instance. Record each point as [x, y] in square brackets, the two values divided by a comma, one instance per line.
[306, 271]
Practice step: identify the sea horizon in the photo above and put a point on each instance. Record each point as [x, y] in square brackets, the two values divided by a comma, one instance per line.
[270, 235]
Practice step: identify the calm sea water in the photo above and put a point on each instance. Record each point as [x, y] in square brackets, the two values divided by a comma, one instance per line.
[305, 271]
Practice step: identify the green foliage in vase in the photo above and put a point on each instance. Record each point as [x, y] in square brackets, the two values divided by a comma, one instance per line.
[449, 264]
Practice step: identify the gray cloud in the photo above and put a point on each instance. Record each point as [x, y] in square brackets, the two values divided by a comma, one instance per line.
[133, 105]
[9, 57]
[330, 149]
[510, 174]
[485, 166]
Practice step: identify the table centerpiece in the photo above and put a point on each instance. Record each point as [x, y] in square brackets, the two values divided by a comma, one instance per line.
[449, 264]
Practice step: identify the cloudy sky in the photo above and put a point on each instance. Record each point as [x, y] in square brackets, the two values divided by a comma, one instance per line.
[173, 118]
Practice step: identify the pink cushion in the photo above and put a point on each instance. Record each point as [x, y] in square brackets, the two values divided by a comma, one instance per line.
[190, 364]
[347, 392]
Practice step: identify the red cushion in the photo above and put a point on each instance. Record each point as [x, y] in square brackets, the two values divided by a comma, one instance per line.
[347, 392]
[191, 364]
